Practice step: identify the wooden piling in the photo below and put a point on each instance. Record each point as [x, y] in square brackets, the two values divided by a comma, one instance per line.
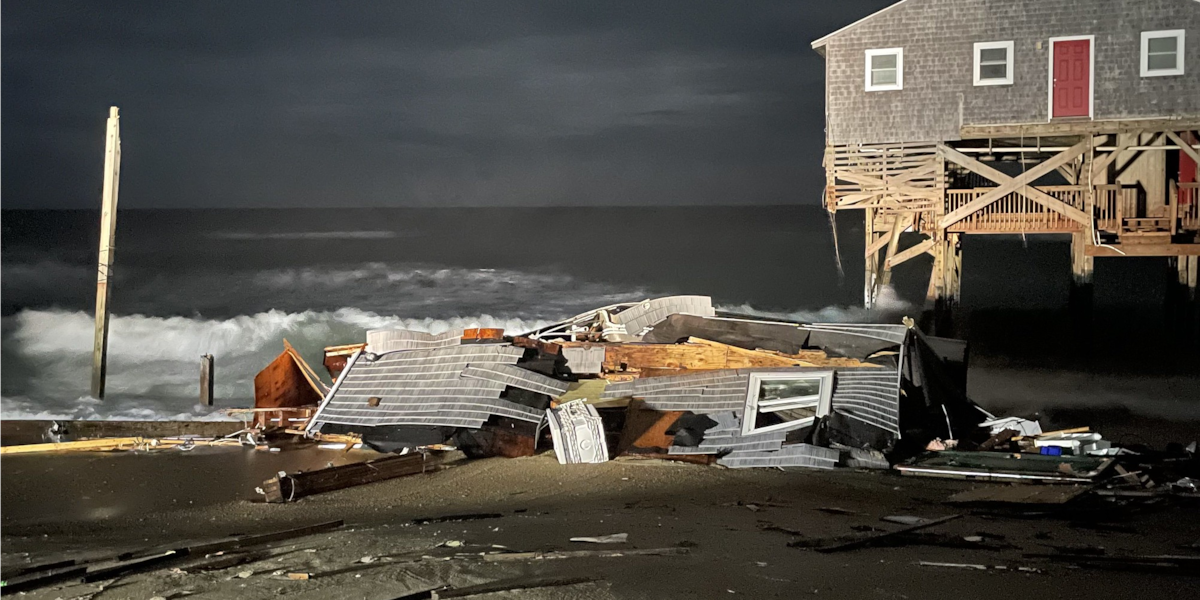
[108, 230]
[206, 380]
[1080, 296]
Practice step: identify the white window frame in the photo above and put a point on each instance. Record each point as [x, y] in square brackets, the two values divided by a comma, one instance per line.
[824, 400]
[1179, 36]
[1008, 65]
[899, 85]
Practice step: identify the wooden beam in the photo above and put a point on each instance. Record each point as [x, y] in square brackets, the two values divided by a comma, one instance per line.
[1184, 146]
[1030, 130]
[287, 488]
[108, 230]
[917, 250]
[999, 177]
[1103, 163]
[1017, 184]
[1144, 250]
[877, 245]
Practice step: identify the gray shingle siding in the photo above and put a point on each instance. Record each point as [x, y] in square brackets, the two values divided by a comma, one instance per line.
[939, 94]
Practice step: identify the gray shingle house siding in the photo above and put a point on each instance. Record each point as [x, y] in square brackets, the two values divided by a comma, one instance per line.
[939, 95]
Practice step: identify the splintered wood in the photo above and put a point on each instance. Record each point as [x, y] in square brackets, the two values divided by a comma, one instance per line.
[696, 354]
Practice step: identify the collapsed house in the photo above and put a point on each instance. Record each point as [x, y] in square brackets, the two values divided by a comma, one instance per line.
[669, 377]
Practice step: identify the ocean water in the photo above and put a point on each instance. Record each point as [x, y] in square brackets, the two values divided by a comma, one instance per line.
[235, 283]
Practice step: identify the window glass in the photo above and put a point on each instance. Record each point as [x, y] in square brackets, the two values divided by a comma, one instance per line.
[883, 69]
[1162, 53]
[778, 402]
[993, 63]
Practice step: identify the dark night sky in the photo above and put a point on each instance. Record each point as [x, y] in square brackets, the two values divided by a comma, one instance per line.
[262, 104]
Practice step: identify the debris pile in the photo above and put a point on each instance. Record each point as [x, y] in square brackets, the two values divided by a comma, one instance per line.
[669, 378]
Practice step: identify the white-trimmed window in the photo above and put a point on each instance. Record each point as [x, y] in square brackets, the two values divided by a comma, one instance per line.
[993, 63]
[885, 69]
[1162, 53]
[785, 401]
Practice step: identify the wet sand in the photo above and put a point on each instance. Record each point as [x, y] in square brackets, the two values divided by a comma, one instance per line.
[658, 504]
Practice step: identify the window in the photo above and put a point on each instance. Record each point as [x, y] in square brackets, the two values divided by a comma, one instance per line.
[993, 63]
[885, 69]
[782, 401]
[1162, 53]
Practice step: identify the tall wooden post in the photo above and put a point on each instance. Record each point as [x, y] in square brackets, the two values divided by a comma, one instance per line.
[108, 229]
[206, 379]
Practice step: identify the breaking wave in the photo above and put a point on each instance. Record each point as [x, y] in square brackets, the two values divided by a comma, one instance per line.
[153, 370]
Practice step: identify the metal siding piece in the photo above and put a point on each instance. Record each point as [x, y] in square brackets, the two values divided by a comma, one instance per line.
[871, 396]
[888, 333]
[424, 387]
[795, 455]
[639, 317]
[584, 360]
[517, 377]
[389, 340]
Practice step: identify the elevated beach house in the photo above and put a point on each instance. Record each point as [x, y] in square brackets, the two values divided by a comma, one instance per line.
[1079, 117]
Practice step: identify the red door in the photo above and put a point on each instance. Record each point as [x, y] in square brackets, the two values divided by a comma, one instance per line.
[1072, 95]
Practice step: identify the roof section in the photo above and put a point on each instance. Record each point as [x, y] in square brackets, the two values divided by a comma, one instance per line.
[820, 43]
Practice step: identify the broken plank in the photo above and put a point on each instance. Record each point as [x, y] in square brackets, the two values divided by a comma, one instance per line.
[869, 541]
[38, 579]
[287, 488]
[243, 541]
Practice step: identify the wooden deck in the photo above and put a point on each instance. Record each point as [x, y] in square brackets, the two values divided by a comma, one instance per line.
[1118, 210]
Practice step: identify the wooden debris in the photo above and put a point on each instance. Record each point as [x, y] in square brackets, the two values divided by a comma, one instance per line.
[299, 576]
[506, 585]
[131, 566]
[1019, 495]
[698, 354]
[244, 541]
[41, 578]
[552, 555]
[872, 540]
[457, 518]
[1001, 438]
[287, 488]
[113, 444]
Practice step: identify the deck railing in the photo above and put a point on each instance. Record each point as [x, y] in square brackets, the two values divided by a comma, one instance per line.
[1187, 203]
[1015, 213]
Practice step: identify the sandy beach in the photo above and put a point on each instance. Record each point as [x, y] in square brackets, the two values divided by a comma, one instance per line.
[724, 518]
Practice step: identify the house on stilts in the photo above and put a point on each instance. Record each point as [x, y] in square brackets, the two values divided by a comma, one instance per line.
[961, 117]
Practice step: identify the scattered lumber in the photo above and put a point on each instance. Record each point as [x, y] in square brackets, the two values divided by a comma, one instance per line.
[135, 565]
[505, 585]
[875, 539]
[41, 578]
[456, 518]
[242, 541]
[554, 554]
[113, 444]
[288, 488]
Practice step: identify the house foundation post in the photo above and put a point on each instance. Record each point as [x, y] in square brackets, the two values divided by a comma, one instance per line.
[1183, 304]
[871, 266]
[1080, 297]
[945, 283]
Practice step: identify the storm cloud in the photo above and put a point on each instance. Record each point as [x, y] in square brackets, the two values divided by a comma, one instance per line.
[282, 104]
